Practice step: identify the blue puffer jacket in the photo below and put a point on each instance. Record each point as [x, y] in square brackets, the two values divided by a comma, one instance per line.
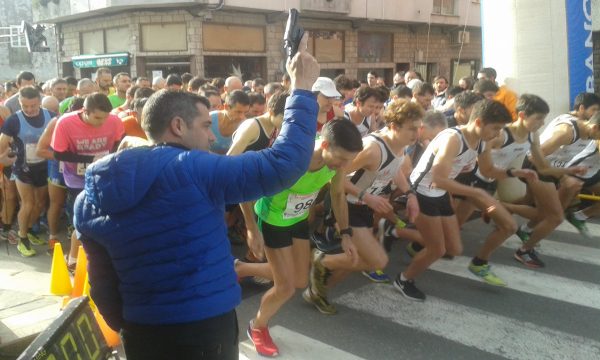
[151, 221]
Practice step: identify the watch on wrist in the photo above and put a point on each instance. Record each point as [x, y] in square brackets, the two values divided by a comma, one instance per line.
[347, 231]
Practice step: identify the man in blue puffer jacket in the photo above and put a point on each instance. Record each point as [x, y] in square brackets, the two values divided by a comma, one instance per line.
[151, 222]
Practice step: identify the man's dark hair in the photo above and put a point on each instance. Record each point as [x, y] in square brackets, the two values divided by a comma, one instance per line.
[29, 92]
[466, 99]
[131, 91]
[276, 103]
[209, 93]
[469, 81]
[237, 97]
[219, 82]
[372, 72]
[491, 112]
[164, 105]
[422, 88]
[57, 81]
[455, 90]
[120, 75]
[364, 93]
[25, 75]
[401, 91]
[103, 70]
[532, 104]
[196, 83]
[342, 82]
[97, 101]
[587, 100]
[488, 72]
[174, 79]
[138, 105]
[76, 104]
[272, 88]
[384, 93]
[343, 134]
[186, 78]
[71, 80]
[256, 98]
[258, 82]
[9, 86]
[482, 86]
[143, 93]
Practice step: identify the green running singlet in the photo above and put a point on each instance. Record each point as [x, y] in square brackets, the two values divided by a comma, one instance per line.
[291, 205]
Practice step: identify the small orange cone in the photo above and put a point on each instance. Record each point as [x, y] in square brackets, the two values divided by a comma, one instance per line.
[60, 282]
[80, 273]
[112, 337]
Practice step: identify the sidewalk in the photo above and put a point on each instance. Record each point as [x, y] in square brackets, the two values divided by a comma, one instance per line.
[26, 305]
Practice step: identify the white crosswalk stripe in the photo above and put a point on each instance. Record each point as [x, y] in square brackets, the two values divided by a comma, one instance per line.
[491, 333]
[572, 252]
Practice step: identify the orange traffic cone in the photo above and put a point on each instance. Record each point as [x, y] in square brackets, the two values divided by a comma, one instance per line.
[112, 337]
[60, 282]
[80, 273]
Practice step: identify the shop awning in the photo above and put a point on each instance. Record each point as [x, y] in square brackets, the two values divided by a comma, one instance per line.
[93, 61]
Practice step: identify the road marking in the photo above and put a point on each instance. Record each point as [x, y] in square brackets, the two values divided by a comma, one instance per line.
[295, 346]
[582, 254]
[530, 281]
[485, 331]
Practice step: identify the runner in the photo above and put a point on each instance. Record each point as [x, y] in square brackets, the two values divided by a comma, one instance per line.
[372, 173]
[360, 111]
[447, 155]
[284, 225]
[79, 139]
[563, 139]
[225, 122]
[21, 132]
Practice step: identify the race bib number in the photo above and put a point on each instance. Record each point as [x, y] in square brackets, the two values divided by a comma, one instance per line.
[298, 205]
[559, 163]
[81, 168]
[30, 154]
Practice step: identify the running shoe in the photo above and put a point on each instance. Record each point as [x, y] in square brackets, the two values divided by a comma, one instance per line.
[529, 258]
[486, 274]
[35, 238]
[262, 341]
[410, 249]
[320, 302]
[11, 236]
[408, 289]
[384, 234]
[580, 225]
[377, 276]
[523, 235]
[26, 251]
[319, 274]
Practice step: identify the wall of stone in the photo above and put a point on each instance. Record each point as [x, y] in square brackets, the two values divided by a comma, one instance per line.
[14, 60]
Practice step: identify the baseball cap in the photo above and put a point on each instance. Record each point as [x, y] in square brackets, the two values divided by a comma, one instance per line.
[326, 86]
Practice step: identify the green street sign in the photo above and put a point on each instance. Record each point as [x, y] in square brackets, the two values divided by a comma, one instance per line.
[106, 60]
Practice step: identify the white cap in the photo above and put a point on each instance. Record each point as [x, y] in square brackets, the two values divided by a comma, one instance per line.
[326, 86]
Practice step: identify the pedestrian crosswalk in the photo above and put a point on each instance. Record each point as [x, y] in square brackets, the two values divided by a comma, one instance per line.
[543, 314]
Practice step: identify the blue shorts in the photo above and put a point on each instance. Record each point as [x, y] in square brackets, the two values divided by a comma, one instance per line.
[55, 177]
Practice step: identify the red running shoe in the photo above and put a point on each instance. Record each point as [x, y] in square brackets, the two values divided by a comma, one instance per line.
[262, 341]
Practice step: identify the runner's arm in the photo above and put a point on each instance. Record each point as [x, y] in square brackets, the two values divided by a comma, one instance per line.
[243, 136]
[43, 149]
[562, 136]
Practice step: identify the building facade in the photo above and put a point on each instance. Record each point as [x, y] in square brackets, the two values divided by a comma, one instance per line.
[14, 56]
[218, 38]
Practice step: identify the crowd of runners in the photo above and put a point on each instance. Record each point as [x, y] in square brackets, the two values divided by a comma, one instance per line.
[411, 161]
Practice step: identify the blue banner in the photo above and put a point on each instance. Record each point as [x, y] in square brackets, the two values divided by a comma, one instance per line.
[579, 38]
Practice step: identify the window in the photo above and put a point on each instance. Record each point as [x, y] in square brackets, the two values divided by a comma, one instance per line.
[117, 39]
[462, 69]
[375, 47]
[427, 70]
[92, 42]
[17, 39]
[443, 7]
[164, 37]
[233, 38]
[327, 46]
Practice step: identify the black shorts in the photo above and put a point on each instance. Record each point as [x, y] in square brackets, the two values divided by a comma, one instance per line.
[589, 182]
[35, 175]
[472, 180]
[435, 206]
[545, 178]
[360, 215]
[278, 237]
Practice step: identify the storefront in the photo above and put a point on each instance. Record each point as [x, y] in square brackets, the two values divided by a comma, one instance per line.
[88, 64]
